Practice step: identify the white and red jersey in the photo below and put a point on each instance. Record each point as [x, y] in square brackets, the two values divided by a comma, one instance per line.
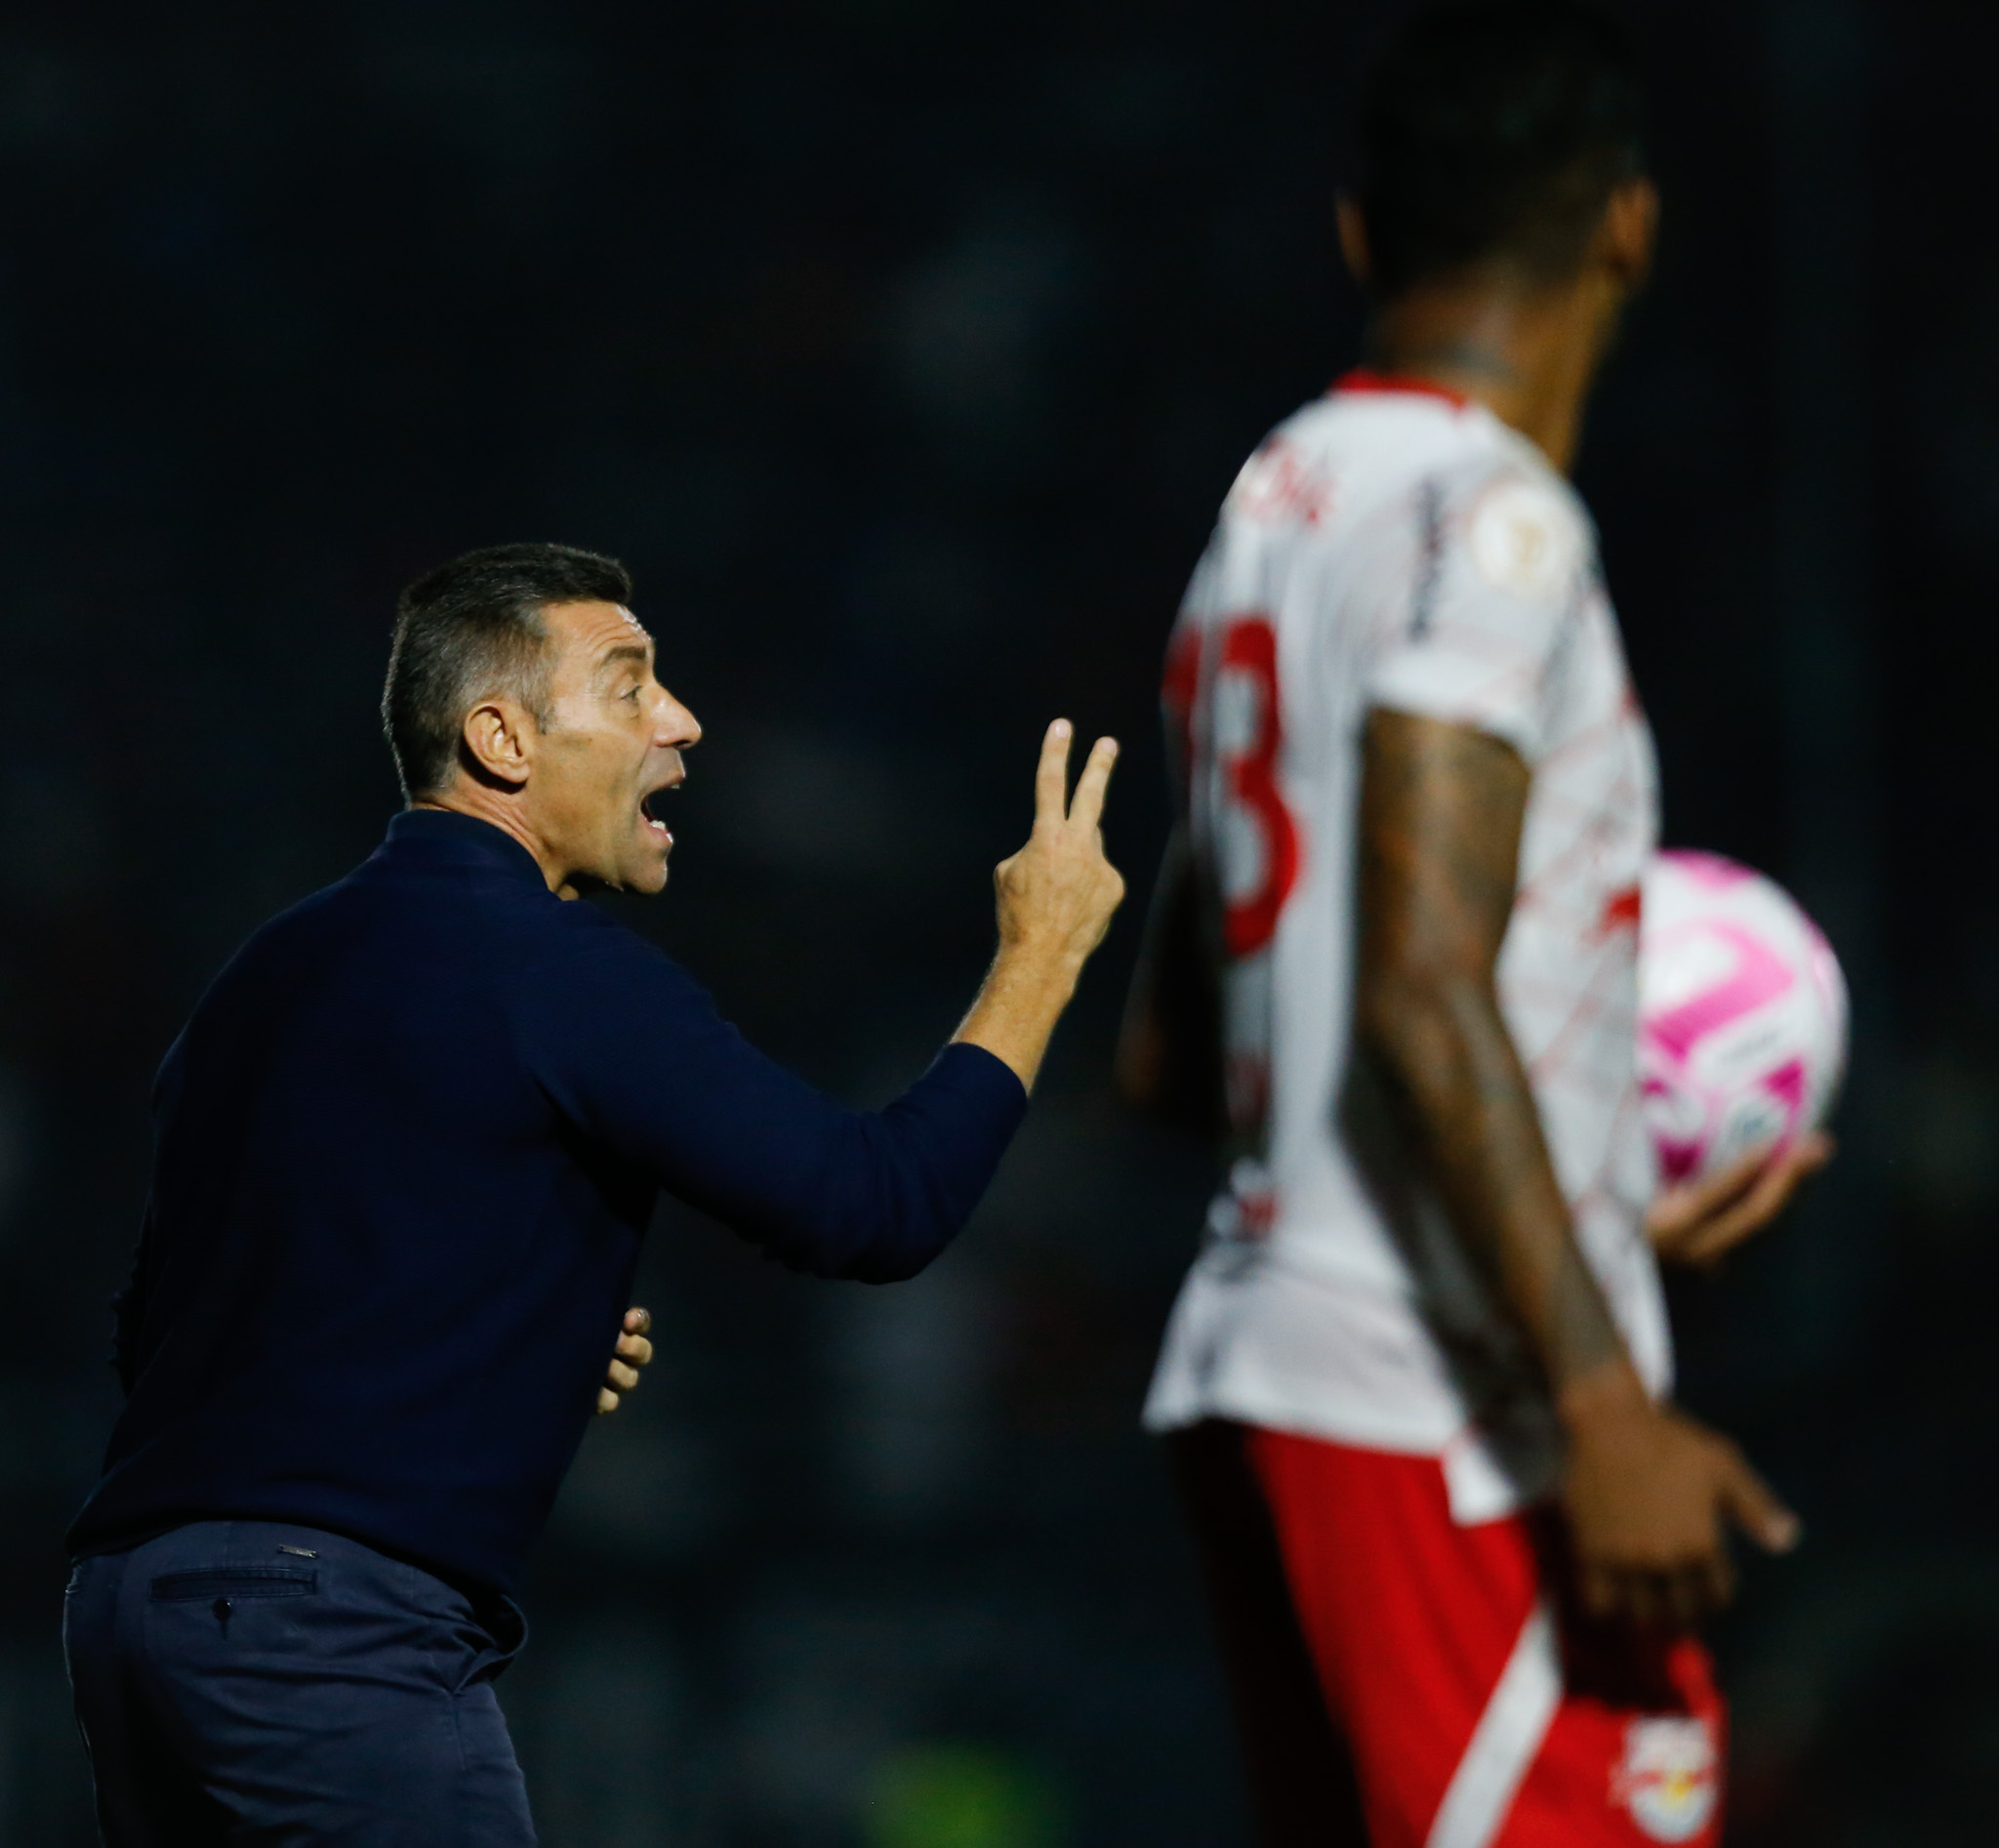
[1399, 548]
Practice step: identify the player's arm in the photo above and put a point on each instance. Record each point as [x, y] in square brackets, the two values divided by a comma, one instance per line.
[1169, 1057]
[1646, 1490]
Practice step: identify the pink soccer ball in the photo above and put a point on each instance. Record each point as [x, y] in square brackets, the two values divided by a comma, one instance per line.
[1742, 1015]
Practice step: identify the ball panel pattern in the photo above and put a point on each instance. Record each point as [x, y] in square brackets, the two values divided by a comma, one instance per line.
[1742, 1015]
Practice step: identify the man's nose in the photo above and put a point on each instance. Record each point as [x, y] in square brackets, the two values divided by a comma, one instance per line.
[679, 727]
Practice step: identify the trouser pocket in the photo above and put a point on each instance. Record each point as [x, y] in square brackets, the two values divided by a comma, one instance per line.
[224, 1588]
[236, 1581]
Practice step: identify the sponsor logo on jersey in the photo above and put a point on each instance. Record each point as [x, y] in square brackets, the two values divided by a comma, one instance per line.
[1525, 541]
[1669, 1779]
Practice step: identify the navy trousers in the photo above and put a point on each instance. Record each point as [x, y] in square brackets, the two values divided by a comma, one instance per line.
[260, 1685]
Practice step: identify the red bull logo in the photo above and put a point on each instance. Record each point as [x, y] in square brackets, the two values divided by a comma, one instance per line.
[1670, 1777]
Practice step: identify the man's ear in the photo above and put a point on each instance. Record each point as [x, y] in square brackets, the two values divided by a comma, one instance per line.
[1353, 239]
[499, 741]
[1629, 233]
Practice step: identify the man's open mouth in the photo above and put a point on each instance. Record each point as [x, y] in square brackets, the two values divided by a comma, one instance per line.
[651, 820]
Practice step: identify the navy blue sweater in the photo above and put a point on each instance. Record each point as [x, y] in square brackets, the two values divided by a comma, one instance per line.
[405, 1151]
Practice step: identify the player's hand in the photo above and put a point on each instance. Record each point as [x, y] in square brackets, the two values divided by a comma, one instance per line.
[1651, 1496]
[1058, 894]
[1701, 1221]
[633, 1352]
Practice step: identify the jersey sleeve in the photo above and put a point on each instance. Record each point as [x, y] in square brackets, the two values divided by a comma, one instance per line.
[1499, 577]
[631, 1049]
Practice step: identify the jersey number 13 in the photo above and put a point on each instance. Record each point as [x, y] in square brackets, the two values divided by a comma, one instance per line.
[1255, 840]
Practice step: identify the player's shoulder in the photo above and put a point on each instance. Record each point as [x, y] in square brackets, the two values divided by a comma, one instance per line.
[1330, 459]
[1513, 519]
[1465, 488]
[1291, 478]
[1371, 444]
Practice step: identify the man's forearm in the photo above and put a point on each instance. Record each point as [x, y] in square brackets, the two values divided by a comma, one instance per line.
[1441, 814]
[1442, 809]
[1022, 998]
[1451, 1063]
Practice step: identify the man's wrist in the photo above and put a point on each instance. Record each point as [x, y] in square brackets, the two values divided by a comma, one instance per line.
[1031, 962]
[1609, 1392]
[1023, 995]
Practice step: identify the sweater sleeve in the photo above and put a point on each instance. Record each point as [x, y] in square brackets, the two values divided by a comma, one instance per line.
[631, 1049]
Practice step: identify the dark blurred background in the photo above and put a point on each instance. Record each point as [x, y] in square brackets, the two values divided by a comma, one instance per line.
[904, 351]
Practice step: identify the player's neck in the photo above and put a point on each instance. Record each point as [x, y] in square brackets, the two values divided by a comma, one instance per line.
[1528, 353]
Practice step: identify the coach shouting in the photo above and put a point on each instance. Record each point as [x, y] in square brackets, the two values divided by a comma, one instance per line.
[406, 1150]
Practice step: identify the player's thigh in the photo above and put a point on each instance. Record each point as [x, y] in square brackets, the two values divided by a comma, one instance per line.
[1413, 1620]
[1295, 1761]
[329, 1694]
[1630, 1759]
[1482, 1711]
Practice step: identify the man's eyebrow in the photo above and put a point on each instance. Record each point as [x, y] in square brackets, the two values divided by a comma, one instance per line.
[624, 652]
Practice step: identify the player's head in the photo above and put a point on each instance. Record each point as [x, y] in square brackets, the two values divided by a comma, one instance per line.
[1495, 136]
[519, 682]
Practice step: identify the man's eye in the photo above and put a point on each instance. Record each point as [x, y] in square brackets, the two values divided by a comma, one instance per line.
[631, 693]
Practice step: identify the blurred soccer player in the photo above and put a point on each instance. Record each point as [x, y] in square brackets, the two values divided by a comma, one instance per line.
[1456, 1536]
[406, 1150]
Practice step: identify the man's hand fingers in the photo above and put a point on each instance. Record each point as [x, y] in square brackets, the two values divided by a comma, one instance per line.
[1780, 1182]
[1700, 1590]
[1680, 1209]
[1051, 776]
[1642, 1597]
[1719, 1579]
[1775, 1186]
[1087, 808]
[637, 1321]
[1752, 1505]
[1716, 1191]
[1599, 1591]
[1684, 1595]
[1709, 1244]
[622, 1376]
[607, 1401]
[636, 1348]
[1699, 1222]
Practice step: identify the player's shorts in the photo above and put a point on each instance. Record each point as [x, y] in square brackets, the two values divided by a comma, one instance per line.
[1404, 1681]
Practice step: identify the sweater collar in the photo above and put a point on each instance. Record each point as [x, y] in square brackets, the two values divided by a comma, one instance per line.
[443, 838]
